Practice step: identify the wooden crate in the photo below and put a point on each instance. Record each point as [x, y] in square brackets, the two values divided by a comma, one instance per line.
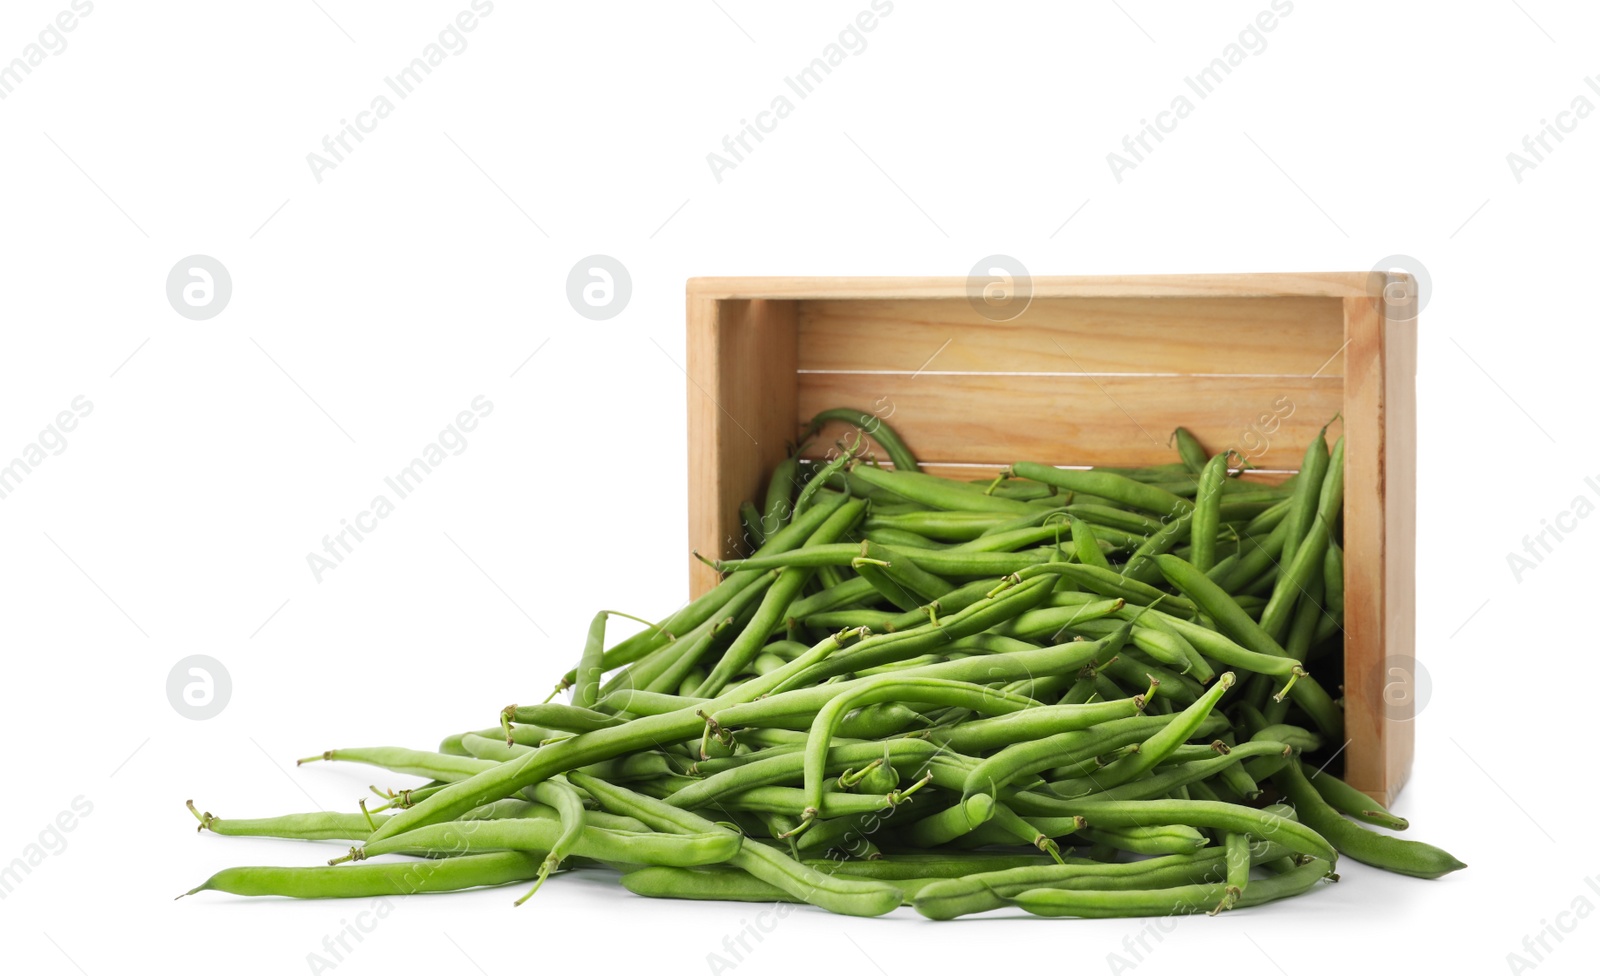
[1094, 371]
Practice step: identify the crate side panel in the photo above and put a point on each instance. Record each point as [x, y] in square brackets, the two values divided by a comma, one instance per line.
[1400, 533]
[1062, 419]
[1367, 717]
[741, 369]
[1286, 336]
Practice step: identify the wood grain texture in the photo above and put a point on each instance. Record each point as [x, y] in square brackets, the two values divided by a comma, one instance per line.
[1225, 335]
[741, 389]
[1400, 530]
[1338, 284]
[988, 472]
[1380, 548]
[1110, 420]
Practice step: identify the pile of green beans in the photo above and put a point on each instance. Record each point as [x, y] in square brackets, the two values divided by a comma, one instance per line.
[1086, 693]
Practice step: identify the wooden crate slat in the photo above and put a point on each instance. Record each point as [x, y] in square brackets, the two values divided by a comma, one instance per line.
[1292, 336]
[1112, 420]
[741, 389]
[1337, 284]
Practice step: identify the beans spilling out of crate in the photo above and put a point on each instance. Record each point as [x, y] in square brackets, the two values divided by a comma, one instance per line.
[1075, 692]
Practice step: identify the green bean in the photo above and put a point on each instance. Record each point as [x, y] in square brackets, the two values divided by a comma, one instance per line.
[1162, 742]
[1002, 730]
[1299, 837]
[952, 602]
[711, 846]
[908, 586]
[750, 519]
[1214, 645]
[1169, 778]
[908, 866]
[1293, 736]
[1332, 620]
[1129, 670]
[767, 770]
[872, 426]
[706, 606]
[894, 688]
[1109, 583]
[553, 715]
[1305, 562]
[1189, 449]
[824, 477]
[1269, 519]
[377, 880]
[1408, 857]
[1183, 900]
[943, 526]
[294, 826]
[950, 562]
[1262, 557]
[950, 823]
[1051, 622]
[849, 592]
[881, 649]
[983, 891]
[1043, 752]
[1155, 840]
[712, 883]
[573, 820]
[835, 894]
[450, 745]
[898, 537]
[1239, 506]
[586, 689]
[1303, 502]
[496, 750]
[775, 605]
[1165, 646]
[639, 702]
[412, 762]
[1237, 850]
[1105, 484]
[689, 662]
[1013, 539]
[1007, 823]
[778, 505]
[1231, 620]
[1140, 566]
[1236, 777]
[663, 671]
[1207, 520]
[1352, 802]
[1106, 516]
[1086, 546]
[950, 496]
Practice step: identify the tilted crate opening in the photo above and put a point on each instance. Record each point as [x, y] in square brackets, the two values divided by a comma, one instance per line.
[1094, 371]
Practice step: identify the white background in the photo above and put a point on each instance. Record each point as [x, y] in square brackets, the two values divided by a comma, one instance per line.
[371, 307]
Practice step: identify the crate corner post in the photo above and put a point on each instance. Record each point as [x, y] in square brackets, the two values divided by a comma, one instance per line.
[1380, 536]
[741, 409]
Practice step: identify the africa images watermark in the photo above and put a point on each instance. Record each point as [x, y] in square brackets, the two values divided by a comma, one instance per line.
[1552, 531]
[451, 441]
[1536, 147]
[452, 41]
[50, 42]
[1536, 948]
[851, 40]
[51, 441]
[52, 840]
[1252, 40]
